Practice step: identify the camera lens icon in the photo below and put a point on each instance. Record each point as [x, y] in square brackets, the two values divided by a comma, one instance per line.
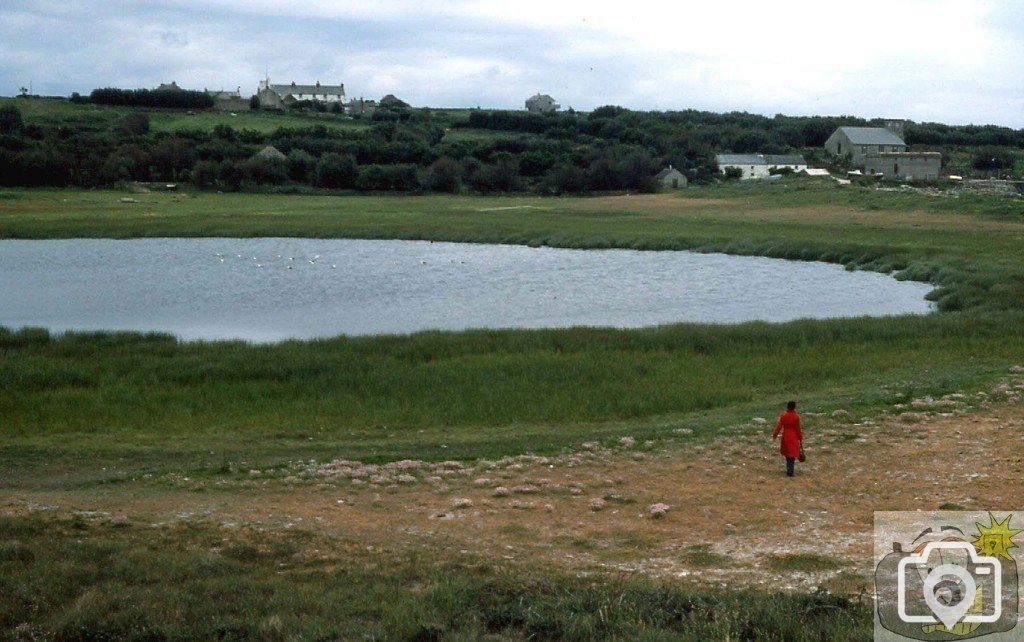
[950, 590]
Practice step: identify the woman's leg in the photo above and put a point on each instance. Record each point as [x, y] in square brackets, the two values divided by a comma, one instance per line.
[789, 466]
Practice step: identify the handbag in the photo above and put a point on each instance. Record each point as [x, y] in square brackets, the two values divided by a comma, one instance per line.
[802, 458]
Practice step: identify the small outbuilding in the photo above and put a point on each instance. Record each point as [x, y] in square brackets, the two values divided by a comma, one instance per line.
[671, 178]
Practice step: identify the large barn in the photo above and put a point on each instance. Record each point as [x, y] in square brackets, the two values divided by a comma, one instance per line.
[858, 142]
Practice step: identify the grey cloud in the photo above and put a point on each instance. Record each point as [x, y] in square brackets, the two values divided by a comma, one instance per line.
[460, 61]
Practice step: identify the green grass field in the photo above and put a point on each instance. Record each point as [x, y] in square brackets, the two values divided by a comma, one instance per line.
[60, 112]
[87, 413]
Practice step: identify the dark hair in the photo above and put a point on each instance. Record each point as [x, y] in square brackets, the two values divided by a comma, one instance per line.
[790, 405]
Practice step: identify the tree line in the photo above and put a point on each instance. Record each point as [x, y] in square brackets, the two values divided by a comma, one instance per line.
[409, 150]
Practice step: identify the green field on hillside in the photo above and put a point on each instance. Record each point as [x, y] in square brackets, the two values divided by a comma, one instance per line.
[62, 112]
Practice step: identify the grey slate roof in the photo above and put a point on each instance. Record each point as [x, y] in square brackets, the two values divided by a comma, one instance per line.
[871, 136]
[270, 153]
[760, 159]
[295, 90]
[740, 159]
[665, 172]
[786, 159]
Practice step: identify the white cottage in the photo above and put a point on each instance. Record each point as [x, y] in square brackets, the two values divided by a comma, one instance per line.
[760, 165]
[274, 96]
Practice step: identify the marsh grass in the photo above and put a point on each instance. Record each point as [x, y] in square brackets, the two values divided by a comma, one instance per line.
[190, 582]
[701, 556]
[135, 402]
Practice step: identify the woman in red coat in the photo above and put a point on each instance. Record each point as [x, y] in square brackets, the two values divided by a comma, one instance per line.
[792, 436]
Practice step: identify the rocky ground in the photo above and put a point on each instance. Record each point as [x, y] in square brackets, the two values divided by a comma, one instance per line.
[720, 512]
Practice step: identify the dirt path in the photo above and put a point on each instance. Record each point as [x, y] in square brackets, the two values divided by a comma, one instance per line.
[734, 518]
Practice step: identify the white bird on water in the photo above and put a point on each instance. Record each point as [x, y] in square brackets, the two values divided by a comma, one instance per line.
[333, 266]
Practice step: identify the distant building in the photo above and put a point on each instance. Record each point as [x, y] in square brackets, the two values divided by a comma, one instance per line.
[361, 107]
[816, 171]
[858, 142]
[760, 165]
[280, 96]
[671, 178]
[229, 100]
[541, 103]
[171, 86]
[909, 166]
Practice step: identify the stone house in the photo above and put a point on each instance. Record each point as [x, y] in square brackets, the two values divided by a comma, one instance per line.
[273, 96]
[361, 107]
[909, 166]
[671, 178]
[858, 142]
[541, 103]
[229, 100]
[760, 165]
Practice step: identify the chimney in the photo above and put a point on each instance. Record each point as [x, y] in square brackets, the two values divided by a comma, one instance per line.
[895, 126]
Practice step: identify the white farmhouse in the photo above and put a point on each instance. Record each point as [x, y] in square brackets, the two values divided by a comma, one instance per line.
[279, 96]
[760, 165]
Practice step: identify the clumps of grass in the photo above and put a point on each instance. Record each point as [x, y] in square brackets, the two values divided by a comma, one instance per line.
[701, 556]
[174, 584]
[16, 552]
[805, 562]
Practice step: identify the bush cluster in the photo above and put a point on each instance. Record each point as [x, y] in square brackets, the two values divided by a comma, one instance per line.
[409, 150]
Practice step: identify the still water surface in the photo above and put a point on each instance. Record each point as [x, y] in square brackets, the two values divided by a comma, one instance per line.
[272, 289]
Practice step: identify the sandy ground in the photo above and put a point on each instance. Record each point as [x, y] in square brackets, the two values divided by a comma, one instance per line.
[730, 505]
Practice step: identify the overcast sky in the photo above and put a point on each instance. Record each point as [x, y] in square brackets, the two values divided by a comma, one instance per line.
[952, 61]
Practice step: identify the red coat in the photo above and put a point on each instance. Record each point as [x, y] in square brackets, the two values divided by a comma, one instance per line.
[792, 436]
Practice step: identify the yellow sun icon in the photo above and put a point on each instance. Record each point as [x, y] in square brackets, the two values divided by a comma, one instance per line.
[996, 539]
